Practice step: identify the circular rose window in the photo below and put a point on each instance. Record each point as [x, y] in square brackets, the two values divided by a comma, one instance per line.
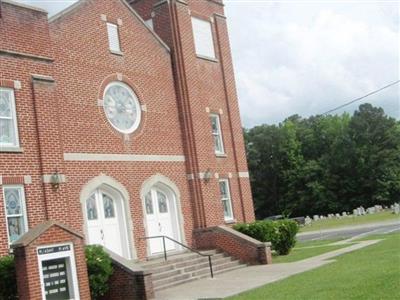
[122, 107]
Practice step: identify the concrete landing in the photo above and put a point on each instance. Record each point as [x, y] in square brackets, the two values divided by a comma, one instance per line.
[238, 281]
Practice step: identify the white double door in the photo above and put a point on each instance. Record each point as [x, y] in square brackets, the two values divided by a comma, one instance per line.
[161, 220]
[105, 222]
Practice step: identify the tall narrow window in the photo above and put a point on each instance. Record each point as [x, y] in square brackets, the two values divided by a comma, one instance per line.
[203, 38]
[113, 37]
[8, 119]
[226, 199]
[217, 134]
[16, 220]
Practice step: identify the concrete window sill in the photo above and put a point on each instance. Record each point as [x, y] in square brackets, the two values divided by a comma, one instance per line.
[11, 149]
[211, 59]
[119, 53]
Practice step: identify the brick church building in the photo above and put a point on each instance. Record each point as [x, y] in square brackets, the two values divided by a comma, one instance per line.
[120, 120]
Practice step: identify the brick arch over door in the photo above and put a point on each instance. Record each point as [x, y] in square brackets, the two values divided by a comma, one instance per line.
[111, 186]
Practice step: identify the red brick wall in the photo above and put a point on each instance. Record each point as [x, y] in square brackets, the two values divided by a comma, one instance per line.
[64, 116]
[82, 71]
[205, 84]
[129, 286]
[234, 243]
[16, 34]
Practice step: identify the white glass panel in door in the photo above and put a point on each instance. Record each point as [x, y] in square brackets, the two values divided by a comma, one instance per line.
[153, 227]
[94, 224]
[159, 221]
[165, 219]
[104, 223]
[111, 228]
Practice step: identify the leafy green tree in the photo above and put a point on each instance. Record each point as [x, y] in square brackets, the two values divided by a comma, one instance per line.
[324, 164]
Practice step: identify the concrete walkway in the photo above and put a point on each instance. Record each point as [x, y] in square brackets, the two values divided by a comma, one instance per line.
[238, 281]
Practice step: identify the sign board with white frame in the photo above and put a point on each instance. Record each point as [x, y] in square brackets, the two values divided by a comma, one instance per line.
[57, 269]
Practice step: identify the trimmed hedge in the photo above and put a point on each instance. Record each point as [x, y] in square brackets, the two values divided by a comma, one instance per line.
[8, 278]
[281, 234]
[99, 268]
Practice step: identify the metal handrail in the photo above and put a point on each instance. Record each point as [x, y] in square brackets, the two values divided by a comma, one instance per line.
[183, 245]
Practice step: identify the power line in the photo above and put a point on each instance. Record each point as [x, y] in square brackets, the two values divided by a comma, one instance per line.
[360, 98]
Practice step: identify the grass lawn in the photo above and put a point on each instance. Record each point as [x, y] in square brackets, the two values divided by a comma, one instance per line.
[348, 221]
[316, 243]
[369, 273]
[303, 253]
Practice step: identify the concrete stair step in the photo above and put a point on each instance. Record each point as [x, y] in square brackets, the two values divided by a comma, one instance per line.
[171, 279]
[167, 274]
[205, 264]
[188, 266]
[173, 259]
[216, 268]
[175, 283]
[199, 260]
[207, 275]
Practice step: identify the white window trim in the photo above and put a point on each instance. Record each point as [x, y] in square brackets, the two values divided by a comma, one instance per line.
[15, 122]
[23, 204]
[72, 266]
[219, 134]
[211, 52]
[113, 50]
[228, 199]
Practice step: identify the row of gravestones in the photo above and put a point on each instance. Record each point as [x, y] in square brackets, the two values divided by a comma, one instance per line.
[360, 211]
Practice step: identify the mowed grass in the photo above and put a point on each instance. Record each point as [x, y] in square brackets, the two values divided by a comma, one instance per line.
[302, 253]
[351, 220]
[372, 272]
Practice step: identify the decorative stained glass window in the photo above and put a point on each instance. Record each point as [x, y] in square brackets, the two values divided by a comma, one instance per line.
[217, 134]
[226, 199]
[15, 211]
[109, 211]
[91, 208]
[162, 202]
[8, 122]
[149, 203]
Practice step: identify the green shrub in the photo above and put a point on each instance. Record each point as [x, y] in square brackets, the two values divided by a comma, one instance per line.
[100, 269]
[281, 234]
[8, 278]
[262, 231]
[285, 238]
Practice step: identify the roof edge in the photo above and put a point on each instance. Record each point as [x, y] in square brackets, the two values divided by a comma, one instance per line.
[33, 233]
[71, 8]
[25, 6]
[162, 43]
[66, 11]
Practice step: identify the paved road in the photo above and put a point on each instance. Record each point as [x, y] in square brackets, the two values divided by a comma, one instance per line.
[349, 232]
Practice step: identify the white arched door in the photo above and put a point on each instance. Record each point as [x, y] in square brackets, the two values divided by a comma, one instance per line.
[106, 224]
[161, 220]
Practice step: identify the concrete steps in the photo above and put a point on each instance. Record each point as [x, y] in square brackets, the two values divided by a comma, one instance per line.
[186, 267]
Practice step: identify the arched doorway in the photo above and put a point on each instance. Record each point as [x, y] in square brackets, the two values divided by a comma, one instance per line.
[162, 216]
[105, 221]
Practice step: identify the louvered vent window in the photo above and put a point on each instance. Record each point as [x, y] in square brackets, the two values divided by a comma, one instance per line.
[113, 37]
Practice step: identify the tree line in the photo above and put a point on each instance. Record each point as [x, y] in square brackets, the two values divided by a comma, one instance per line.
[325, 163]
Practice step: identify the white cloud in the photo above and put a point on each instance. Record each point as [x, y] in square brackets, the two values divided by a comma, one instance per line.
[308, 58]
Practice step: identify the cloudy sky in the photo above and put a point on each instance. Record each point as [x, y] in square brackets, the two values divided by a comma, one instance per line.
[307, 57]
